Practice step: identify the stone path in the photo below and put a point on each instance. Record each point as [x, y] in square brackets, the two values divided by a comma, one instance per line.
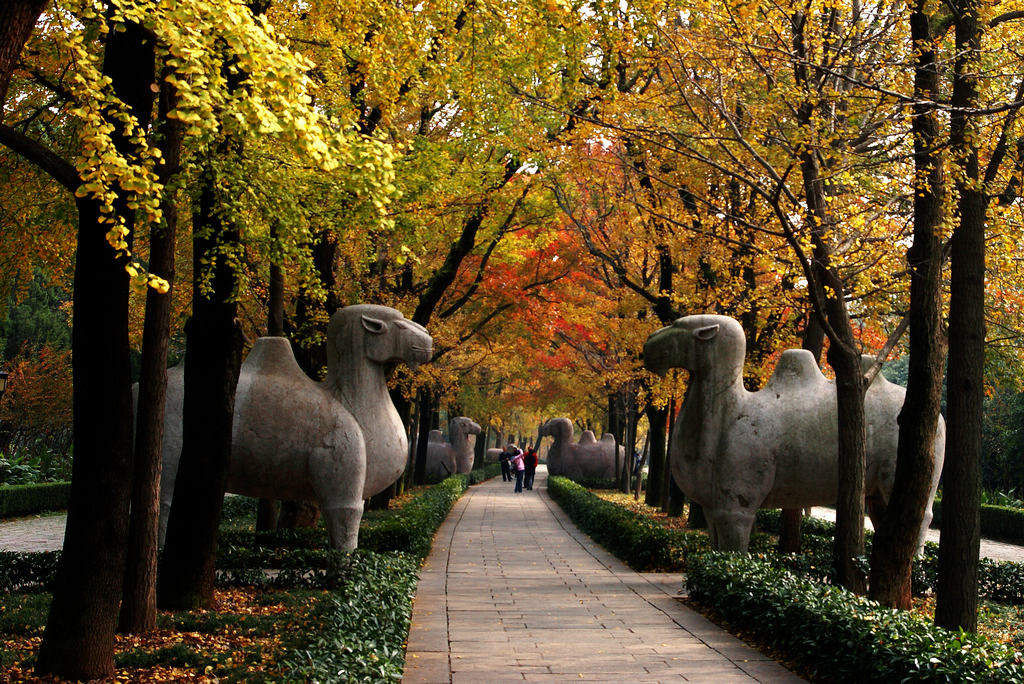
[512, 591]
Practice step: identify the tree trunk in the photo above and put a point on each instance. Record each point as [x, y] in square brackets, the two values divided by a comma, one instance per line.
[657, 421]
[896, 540]
[212, 359]
[268, 511]
[849, 540]
[425, 410]
[957, 596]
[17, 20]
[138, 603]
[79, 638]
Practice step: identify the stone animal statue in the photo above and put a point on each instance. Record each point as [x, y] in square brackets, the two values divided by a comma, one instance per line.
[587, 459]
[444, 458]
[734, 451]
[337, 442]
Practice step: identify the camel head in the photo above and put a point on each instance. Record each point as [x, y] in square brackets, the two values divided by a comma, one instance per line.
[466, 426]
[696, 343]
[380, 334]
[556, 427]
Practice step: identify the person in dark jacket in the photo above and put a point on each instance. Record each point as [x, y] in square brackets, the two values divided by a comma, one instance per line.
[530, 461]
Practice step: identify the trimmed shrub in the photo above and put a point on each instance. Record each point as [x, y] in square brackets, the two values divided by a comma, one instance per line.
[363, 625]
[412, 528]
[838, 636]
[34, 498]
[1003, 523]
[640, 543]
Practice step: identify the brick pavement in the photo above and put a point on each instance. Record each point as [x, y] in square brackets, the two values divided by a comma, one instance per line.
[512, 591]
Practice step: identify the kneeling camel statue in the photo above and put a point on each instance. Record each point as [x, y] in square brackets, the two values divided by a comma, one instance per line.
[734, 451]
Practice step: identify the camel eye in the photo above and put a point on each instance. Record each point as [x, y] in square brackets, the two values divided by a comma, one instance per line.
[706, 333]
[374, 325]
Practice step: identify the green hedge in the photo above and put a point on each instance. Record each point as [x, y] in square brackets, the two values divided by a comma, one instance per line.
[837, 636]
[33, 498]
[637, 541]
[999, 581]
[297, 557]
[1003, 523]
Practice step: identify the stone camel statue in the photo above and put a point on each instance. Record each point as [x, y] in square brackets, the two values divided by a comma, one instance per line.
[587, 459]
[444, 458]
[337, 442]
[734, 451]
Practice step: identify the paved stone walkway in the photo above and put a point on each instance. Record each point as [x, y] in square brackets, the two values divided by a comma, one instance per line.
[512, 591]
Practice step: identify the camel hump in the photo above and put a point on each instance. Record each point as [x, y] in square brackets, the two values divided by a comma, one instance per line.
[796, 368]
[273, 356]
[435, 437]
[588, 437]
[608, 437]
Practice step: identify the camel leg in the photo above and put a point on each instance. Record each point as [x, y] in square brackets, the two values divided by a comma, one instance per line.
[343, 526]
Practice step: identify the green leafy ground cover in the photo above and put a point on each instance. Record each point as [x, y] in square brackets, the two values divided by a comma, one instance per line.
[288, 609]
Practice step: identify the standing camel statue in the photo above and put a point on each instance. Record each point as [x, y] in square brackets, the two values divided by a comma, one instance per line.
[587, 459]
[337, 442]
[734, 451]
[444, 458]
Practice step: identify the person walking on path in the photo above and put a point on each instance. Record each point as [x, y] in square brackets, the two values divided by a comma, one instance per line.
[512, 591]
[518, 465]
[504, 459]
[530, 461]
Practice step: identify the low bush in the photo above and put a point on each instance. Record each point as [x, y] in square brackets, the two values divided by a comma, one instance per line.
[837, 636]
[640, 543]
[362, 626]
[28, 499]
[999, 581]
[1003, 523]
[412, 527]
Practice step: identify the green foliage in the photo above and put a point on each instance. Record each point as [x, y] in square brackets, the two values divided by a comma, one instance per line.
[640, 543]
[363, 625]
[412, 528]
[27, 499]
[1003, 441]
[838, 636]
[34, 466]
[1004, 523]
[40, 318]
[27, 572]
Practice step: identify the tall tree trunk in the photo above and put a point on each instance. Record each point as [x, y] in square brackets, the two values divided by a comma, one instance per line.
[212, 359]
[657, 421]
[138, 603]
[268, 511]
[79, 639]
[425, 411]
[957, 597]
[852, 437]
[896, 540]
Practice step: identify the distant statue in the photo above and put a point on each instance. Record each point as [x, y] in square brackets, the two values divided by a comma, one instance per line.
[444, 458]
[588, 459]
[337, 442]
[734, 451]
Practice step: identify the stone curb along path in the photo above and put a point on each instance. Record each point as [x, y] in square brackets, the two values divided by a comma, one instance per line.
[513, 591]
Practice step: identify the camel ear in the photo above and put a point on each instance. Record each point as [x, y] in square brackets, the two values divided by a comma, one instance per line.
[706, 333]
[374, 325]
